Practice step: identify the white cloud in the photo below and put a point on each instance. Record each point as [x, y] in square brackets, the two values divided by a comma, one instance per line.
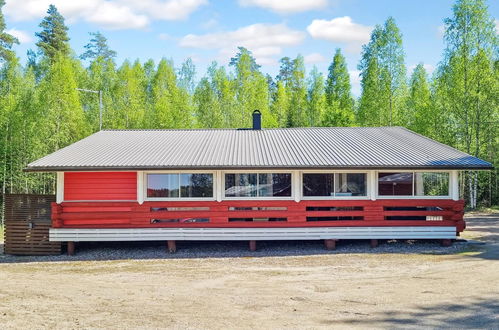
[286, 6]
[22, 36]
[314, 58]
[111, 14]
[264, 40]
[116, 17]
[170, 10]
[342, 30]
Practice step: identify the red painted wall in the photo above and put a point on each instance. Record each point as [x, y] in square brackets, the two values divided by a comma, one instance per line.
[100, 186]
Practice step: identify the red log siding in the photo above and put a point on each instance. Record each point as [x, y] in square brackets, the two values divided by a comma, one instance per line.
[373, 213]
[100, 186]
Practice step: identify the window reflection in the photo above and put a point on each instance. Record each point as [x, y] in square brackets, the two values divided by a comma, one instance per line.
[177, 185]
[257, 185]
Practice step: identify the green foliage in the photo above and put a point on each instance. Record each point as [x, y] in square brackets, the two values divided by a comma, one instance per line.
[467, 85]
[383, 76]
[316, 98]
[421, 115]
[54, 38]
[6, 40]
[339, 109]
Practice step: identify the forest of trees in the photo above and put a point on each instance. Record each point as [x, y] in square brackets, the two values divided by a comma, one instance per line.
[41, 109]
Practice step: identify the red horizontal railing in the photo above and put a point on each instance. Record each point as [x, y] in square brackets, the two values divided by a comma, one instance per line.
[285, 213]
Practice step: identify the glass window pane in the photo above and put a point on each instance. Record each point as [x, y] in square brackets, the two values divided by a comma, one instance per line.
[395, 184]
[162, 185]
[431, 184]
[318, 184]
[274, 184]
[196, 185]
[350, 184]
[241, 185]
[281, 184]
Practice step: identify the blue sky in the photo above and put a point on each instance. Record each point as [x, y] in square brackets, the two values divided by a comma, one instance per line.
[208, 30]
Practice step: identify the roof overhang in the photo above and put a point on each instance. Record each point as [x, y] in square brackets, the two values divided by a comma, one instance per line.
[218, 168]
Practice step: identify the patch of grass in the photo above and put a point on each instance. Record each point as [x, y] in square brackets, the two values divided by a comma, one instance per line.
[1, 232]
[483, 209]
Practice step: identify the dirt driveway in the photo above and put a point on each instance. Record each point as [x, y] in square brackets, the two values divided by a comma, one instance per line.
[341, 290]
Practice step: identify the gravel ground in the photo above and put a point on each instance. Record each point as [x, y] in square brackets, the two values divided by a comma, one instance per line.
[234, 249]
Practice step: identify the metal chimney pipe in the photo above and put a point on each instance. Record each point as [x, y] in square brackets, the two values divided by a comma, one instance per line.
[257, 120]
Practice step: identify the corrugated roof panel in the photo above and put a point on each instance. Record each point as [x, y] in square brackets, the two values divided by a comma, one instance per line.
[322, 147]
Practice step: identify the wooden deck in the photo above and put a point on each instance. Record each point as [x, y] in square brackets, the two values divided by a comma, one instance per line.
[261, 214]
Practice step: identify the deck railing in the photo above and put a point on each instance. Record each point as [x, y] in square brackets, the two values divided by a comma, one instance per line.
[306, 213]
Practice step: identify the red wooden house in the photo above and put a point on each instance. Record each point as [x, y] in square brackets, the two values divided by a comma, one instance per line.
[257, 184]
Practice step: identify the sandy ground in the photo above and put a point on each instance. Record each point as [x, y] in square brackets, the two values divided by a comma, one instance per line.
[351, 290]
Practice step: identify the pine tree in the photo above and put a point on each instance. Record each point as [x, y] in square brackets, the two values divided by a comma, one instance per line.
[339, 109]
[54, 38]
[6, 40]
[98, 48]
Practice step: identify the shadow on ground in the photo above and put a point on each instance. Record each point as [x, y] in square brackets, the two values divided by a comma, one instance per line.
[234, 249]
[472, 313]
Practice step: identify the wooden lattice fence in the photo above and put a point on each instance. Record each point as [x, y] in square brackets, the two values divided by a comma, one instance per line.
[27, 222]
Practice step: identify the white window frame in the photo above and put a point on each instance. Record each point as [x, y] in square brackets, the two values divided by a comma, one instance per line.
[186, 199]
[273, 171]
[413, 196]
[368, 185]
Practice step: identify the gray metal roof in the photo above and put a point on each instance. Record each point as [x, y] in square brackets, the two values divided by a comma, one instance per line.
[318, 147]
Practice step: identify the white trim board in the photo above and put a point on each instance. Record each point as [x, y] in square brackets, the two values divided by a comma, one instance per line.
[243, 234]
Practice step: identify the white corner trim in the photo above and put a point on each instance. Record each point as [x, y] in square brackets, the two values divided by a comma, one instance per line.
[454, 185]
[59, 197]
[140, 187]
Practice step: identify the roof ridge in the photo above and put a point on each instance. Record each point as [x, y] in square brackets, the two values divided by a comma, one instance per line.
[240, 129]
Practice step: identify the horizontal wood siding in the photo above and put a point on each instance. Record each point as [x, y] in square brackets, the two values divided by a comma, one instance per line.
[100, 186]
[355, 213]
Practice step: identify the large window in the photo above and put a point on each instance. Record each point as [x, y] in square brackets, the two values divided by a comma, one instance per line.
[395, 184]
[180, 185]
[334, 184]
[431, 184]
[413, 184]
[257, 185]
